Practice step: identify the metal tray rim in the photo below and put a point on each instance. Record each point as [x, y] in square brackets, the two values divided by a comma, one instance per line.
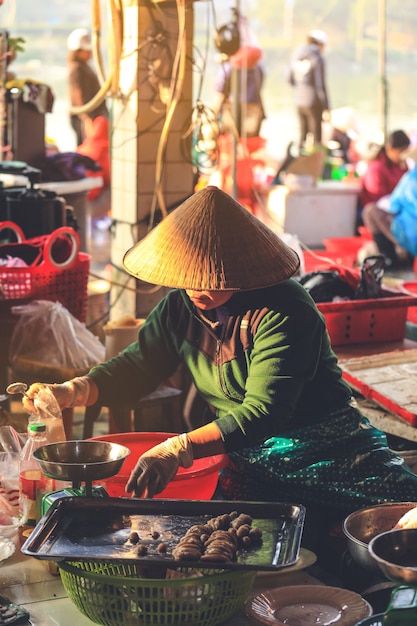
[50, 522]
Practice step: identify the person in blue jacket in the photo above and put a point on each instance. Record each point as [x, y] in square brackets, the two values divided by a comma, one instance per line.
[393, 224]
[403, 208]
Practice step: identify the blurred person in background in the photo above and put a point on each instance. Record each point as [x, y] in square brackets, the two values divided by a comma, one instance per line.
[241, 76]
[96, 145]
[385, 169]
[394, 227]
[83, 82]
[380, 178]
[250, 78]
[341, 132]
[307, 74]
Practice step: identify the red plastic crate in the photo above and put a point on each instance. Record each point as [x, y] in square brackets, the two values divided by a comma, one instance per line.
[322, 259]
[411, 289]
[368, 321]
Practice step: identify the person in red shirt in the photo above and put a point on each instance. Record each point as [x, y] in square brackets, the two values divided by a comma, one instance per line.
[385, 169]
[379, 181]
[96, 145]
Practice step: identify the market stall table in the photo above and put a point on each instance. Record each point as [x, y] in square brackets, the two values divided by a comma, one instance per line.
[383, 418]
[28, 582]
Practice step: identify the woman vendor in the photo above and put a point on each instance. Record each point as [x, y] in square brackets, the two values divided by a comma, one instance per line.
[383, 174]
[259, 354]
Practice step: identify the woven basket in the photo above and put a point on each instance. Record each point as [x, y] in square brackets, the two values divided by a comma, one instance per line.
[115, 595]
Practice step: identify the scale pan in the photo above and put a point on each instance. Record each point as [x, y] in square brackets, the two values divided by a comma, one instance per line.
[81, 461]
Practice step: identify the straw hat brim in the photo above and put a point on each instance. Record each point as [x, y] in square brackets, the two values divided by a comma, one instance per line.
[210, 242]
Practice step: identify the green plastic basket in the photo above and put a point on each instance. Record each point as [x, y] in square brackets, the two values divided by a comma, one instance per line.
[113, 594]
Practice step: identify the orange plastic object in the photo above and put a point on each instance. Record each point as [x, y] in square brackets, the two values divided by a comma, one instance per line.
[198, 482]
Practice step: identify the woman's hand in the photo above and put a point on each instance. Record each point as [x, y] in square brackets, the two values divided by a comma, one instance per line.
[158, 466]
[75, 392]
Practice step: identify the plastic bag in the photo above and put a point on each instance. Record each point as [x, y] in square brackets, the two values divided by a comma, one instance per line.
[45, 403]
[49, 412]
[11, 444]
[49, 340]
[372, 272]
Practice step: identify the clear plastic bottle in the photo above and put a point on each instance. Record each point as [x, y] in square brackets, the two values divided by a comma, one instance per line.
[33, 484]
[54, 426]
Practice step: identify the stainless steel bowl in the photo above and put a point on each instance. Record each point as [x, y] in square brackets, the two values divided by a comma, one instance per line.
[395, 553]
[81, 461]
[362, 526]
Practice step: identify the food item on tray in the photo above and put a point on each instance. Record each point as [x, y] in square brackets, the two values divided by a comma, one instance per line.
[134, 537]
[408, 520]
[142, 549]
[218, 540]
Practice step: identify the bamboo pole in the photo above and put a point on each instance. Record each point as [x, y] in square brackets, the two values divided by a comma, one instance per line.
[383, 86]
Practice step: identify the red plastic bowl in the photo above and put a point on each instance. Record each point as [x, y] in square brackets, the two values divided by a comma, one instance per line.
[198, 482]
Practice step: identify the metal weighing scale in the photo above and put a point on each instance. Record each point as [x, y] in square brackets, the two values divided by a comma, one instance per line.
[395, 553]
[402, 609]
[79, 462]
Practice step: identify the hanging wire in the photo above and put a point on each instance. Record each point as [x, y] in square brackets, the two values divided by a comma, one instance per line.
[205, 130]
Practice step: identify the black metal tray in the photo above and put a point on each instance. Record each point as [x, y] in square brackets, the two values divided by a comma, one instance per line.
[98, 529]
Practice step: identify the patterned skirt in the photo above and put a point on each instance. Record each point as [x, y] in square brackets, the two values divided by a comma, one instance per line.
[342, 463]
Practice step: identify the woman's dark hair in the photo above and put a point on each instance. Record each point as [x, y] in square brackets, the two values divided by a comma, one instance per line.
[398, 139]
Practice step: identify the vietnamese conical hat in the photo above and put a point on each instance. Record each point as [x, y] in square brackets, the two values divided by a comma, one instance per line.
[211, 242]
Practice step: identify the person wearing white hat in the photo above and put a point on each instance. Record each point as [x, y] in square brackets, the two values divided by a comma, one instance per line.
[259, 353]
[83, 83]
[307, 74]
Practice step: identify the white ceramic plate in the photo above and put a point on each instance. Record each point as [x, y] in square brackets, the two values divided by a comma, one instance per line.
[305, 559]
[308, 605]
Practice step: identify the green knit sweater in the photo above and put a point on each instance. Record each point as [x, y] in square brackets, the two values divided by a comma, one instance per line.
[263, 362]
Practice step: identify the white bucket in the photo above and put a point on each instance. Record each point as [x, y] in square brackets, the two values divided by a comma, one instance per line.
[117, 338]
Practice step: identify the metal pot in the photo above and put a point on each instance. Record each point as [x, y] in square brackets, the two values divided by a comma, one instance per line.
[363, 525]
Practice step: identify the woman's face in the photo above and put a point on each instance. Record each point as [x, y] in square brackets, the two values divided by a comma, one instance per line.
[207, 300]
[396, 155]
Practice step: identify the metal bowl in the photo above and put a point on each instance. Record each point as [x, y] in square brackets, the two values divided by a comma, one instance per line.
[395, 553]
[81, 461]
[363, 525]
[373, 620]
